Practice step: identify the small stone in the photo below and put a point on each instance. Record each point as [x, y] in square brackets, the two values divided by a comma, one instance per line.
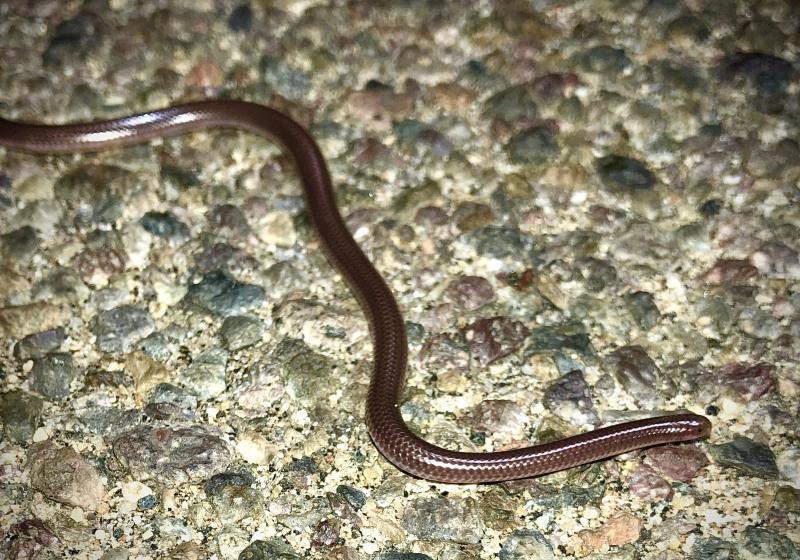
[239, 332]
[241, 18]
[444, 518]
[470, 292]
[24, 540]
[514, 103]
[624, 173]
[494, 338]
[275, 549]
[284, 78]
[644, 309]
[21, 413]
[637, 373]
[645, 483]
[777, 260]
[499, 242]
[616, 531]
[233, 496]
[205, 376]
[326, 534]
[172, 455]
[753, 380]
[354, 496]
[524, 544]
[498, 416]
[255, 448]
[52, 375]
[533, 145]
[570, 398]
[759, 324]
[604, 59]
[765, 543]
[730, 270]
[714, 548]
[62, 475]
[679, 462]
[165, 225]
[219, 294]
[789, 466]
[119, 329]
[746, 456]
[38, 344]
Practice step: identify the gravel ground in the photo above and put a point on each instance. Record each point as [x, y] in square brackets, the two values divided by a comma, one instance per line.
[589, 212]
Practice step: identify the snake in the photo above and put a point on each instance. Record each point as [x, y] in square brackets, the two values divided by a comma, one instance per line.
[391, 435]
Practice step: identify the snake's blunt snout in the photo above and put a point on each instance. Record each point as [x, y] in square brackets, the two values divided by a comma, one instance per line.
[697, 427]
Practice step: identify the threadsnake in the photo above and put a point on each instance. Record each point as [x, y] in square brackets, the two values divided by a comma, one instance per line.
[386, 426]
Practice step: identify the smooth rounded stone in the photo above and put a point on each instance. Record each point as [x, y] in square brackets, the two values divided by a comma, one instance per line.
[676, 75]
[354, 496]
[470, 292]
[61, 474]
[754, 67]
[412, 134]
[647, 485]
[688, 28]
[239, 332]
[624, 173]
[498, 416]
[26, 539]
[789, 466]
[638, 374]
[511, 104]
[559, 337]
[603, 59]
[19, 244]
[746, 456]
[777, 260]
[765, 543]
[219, 294]
[275, 549]
[714, 548]
[677, 462]
[533, 145]
[526, 543]
[167, 393]
[241, 18]
[75, 39]
[104, 420]
[643, 308]
[471, 215]
[164, 225]
[759, 324]
[21, 413]
[172, 455]
[53, 374]
[307, 373]
[500, 242]
[493, 338]
[284, 78]
[205, 376]
[753, 380]
[118, 330]
[444, 518]
[570, 398]
[39, 344]
[234, 496]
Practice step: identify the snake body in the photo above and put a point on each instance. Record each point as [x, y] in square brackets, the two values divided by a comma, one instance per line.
[386, 426]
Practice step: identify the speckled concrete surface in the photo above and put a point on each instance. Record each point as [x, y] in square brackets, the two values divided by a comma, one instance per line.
[588, 211]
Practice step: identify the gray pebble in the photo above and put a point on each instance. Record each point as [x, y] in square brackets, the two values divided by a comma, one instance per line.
[21, 413]
[119, 329]
[240, 331]
[747, 456]
[52, 375]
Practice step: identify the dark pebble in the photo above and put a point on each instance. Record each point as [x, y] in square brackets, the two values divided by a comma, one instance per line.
[514, 103]
[38, 344]
[275, 549]
[241, 18]
[747, 456]
[220, 294]
[21, 413]
[643, 308]
[603, 59]
[765, 543]
[74, 39]
[354, 496]
[165, 225]
[570, 398]
[52, 375]
[754, 380]
[493, 338]
[533, 145]
[20, 243]
[624, 173]
[119, 329]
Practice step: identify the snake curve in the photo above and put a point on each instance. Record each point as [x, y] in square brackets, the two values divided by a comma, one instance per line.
[389, 432]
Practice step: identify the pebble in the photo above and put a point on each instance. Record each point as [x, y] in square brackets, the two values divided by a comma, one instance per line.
[234, 496]
[637, 373]
[221, 295]
[119, 329]
[241, 18]
[494, 338]
[52, 375]
[470, 292]
[25, 540]
[677, 462]
[619, 530]
[570, 398]
[62, 475]
[205, 376]
[644, 309]
[498, 416]
[535, 145]
[526, 543]
[444, 518]
[646, 484]
[39, 344]
[275, 549]
[788, 462]
[765, 543]
[513, 103]
[239, 332]
[746, 456]
[620, 173]
[21, 413]
[753, 380]
[285, 79]
[165, 225]
[172, 455]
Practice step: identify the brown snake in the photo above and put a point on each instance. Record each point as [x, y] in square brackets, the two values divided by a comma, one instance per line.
[386, 426]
